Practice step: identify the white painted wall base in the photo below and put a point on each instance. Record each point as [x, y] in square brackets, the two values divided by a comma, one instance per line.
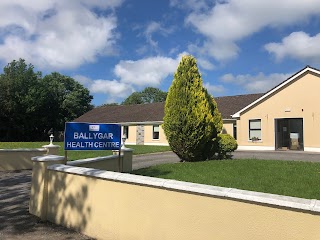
[256, 148]
[153, 144]
[269, 148]
[311, 149]
[157, 144]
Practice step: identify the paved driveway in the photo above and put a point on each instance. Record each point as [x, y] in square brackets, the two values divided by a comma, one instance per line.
[278, 155]
[15, 220]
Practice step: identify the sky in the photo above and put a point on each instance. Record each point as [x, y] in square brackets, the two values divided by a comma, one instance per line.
[116, 47]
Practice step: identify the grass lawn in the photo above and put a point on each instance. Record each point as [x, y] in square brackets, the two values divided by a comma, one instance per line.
[73, 155]
[298, 179]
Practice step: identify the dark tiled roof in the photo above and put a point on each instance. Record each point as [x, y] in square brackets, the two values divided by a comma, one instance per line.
[155, 111]
[231, 104]
[124, 113]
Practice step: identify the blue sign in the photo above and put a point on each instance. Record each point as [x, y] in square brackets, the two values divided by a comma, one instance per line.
[92, 136]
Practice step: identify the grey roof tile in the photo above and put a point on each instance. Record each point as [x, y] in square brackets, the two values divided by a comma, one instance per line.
[155, 111]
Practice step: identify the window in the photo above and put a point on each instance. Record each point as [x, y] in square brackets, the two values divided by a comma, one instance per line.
[125, 131]
[155, 134]
[255, 129]
[235, 131]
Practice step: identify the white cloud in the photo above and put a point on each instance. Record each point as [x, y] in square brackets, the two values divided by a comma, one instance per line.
[85, 81]
[205, 64]
[111, 87]
[298, 45]
[230, 21]
[189, 4]
[146, 72]
[150, 29]
[255, 83]
[130, 74]
[114, 89]
[214, 89]
[56, 34]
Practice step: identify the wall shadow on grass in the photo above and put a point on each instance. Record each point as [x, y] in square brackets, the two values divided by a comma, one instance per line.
[151, 172]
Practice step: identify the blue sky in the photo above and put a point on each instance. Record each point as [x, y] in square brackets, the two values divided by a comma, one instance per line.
[115, 47]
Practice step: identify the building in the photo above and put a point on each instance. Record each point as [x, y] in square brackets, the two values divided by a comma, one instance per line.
[285, 118]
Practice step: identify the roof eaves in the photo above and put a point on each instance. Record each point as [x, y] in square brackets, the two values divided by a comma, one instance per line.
[287, 81]
[142, 123]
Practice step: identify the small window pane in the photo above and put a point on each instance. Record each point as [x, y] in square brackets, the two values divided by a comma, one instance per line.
[255, 124]
[155, 133]
[126, 131]
[255, 133]
[255, 129]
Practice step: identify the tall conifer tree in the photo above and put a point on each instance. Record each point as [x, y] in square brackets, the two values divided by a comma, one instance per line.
[189, 122]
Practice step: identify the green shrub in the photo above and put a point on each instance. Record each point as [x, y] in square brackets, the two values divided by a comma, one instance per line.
[226, 144]
[189, 124]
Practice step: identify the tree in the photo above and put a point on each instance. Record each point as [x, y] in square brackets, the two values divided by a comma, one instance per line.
[189, 122]
[109, 104]
[65, 99]
[19, 102]
[148, 95]
[31, 105]
[211, 147]
[134, 98]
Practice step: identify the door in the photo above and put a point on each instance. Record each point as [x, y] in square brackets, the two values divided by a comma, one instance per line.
[289, 134]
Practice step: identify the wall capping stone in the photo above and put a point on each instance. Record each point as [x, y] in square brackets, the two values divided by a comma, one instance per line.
[90, 160]
[47, 158]
[311, 205]
[24, 150]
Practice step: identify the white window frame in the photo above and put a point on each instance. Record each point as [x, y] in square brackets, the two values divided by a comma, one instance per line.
[255, 129]
[153, 132]
[124, 133]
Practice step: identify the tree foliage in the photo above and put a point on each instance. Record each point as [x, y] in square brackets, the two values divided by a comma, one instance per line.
[70, 99]
[31, 105]
[134, 98]
[211, 146]
[148, 95]
[109, 104]
[190, 124]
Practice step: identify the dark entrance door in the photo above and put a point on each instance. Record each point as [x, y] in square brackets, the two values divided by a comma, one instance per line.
[289, 134]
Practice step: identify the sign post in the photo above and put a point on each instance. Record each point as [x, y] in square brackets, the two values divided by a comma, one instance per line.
[92, 136]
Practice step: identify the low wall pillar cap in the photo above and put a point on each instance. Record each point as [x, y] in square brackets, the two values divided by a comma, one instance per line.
[51, 146]
[126, 149]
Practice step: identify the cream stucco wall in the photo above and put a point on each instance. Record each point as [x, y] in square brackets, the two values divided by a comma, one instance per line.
[148, 136]
[107, 209]
[132, 135]
[110, 163]
[18, 159]
[299, 99]
[228, 127]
